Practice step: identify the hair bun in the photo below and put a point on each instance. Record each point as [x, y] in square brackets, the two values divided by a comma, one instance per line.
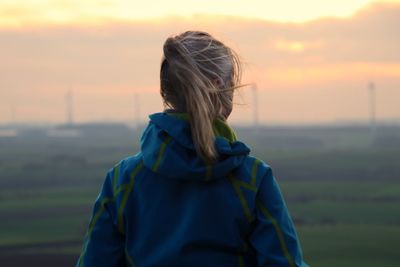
[169, 48]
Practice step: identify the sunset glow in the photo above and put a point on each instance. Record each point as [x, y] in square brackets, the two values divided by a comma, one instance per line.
[19, 13]
[303, 56]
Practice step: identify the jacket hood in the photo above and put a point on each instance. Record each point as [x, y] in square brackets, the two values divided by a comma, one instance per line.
[168, 149]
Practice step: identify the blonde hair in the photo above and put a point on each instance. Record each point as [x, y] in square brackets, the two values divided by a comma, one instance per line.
[198, 76]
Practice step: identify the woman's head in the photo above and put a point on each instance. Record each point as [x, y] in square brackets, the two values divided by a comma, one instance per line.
[198, 76]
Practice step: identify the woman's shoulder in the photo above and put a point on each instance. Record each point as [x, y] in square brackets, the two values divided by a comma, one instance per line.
[124, 170]
[253, 170]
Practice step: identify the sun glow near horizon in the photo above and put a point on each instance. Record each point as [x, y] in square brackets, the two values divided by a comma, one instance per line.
[109, 51]
[20, 13]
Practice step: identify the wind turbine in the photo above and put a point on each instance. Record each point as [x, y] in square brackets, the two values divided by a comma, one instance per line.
[69, 107]
[372, 106]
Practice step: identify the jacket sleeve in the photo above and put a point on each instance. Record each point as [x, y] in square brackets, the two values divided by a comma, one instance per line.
[274, 237]
[103, 244]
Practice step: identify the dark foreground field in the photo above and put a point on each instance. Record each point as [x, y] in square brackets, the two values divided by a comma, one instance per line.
[342, 186]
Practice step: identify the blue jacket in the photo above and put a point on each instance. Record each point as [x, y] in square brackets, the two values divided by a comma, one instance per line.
[165, 207]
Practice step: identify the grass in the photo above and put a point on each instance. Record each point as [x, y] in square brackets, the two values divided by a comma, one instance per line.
[46, 229]
[348, 245]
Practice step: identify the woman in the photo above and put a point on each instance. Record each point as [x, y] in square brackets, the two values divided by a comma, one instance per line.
[193, 196]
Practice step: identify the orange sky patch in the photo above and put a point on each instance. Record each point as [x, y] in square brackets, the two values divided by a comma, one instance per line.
[323, 74]
[19, 13]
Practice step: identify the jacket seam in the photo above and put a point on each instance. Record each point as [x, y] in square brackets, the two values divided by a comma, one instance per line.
[236, 185]
[278, 231]
[163, 146]
[128, 190]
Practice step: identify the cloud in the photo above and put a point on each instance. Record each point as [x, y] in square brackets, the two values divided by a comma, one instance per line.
[122, 57]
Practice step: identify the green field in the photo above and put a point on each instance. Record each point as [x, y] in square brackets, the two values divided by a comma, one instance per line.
[342, 187]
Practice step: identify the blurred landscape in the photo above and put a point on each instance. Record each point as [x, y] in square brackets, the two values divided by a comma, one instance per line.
[322, 108]
[341, 184]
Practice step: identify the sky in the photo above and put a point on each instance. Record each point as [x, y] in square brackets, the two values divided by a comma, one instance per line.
[311, 60]
[23, 12]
